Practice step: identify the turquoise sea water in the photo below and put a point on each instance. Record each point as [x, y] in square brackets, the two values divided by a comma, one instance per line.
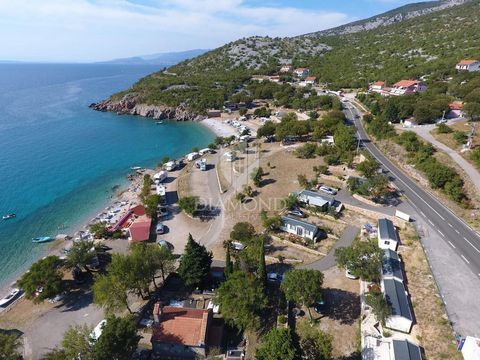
[59, 160]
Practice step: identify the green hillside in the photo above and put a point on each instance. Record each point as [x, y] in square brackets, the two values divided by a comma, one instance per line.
[425, 45]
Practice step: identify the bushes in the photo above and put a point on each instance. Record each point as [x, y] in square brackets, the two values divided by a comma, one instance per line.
[460, 137]
[306, 151]
[440, 176]
[444, 129]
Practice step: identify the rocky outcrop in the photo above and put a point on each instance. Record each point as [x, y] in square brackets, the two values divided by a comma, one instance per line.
[129, 105]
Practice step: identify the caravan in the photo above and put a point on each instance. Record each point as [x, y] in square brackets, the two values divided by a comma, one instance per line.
[160, 176]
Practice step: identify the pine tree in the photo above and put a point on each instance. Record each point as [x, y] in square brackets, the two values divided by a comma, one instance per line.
[228, 262]
[262, 271]
[194, 264]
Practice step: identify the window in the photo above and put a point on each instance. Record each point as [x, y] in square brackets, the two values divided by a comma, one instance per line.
[299, 231]
[387, 242]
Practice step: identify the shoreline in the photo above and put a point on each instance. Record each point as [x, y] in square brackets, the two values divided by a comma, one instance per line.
[127, 193]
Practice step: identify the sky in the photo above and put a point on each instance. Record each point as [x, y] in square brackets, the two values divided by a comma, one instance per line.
[98, 30]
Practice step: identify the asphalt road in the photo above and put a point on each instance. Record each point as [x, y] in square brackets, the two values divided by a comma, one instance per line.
[461, 238]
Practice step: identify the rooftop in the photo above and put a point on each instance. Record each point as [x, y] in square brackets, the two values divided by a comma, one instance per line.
[405, 350]
[181, 326]
[316, 194]
[467, 62]
[386, 230]
[379, 83]
[140, 229]
[297, 222]
[397, 298]
[406, 83]
[392, 266]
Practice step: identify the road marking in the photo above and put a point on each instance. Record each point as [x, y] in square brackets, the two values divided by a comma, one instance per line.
[431, 223]
[441, 233]
[450, 225]
[472, 245]
[451, 244]
[423, 214]
[458, 232]
[464, 258]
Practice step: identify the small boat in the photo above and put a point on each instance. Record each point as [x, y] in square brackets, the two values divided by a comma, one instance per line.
[159, 122]
[11, 295]
[135, 168]
[9, 216]
[42, 239]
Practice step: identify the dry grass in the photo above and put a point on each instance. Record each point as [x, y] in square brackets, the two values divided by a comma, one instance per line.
[432, 327]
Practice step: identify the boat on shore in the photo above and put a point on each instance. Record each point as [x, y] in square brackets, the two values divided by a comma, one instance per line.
[9, 216]
[42, 239]
[159, 122]
[10, 297]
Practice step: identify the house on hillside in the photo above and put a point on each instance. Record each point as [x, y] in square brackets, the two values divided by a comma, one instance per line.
[401, 317]
[456, 109]
[406, 87]
[310, 80]
[286, 69]
[300, 228]
[387, 235]
[183, 333]
[405, 350]
[274, 78]
[392, 266]
[301, 72]
[139, 231]
[468, 65]
[377, 86]
[259, 78]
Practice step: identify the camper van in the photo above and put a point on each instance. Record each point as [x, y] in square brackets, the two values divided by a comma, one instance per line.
[160, 176]
[192, 156]
[170, 166]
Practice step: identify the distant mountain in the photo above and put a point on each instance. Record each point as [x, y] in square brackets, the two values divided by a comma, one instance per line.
[402, 13]
[165, 59]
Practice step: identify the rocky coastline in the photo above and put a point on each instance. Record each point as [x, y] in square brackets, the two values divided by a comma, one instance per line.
[129, 105]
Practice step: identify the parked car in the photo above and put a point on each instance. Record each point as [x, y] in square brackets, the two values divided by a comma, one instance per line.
[94, 264]
[160, 228]
[162, 212]
[296, 212]
[328, 190]
[349, 275]
[320, 306]
[165, 243]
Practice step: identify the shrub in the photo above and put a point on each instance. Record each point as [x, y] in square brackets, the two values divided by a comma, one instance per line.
[444, 129]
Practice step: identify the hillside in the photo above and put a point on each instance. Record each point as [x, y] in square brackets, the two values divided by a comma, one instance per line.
[402, 13]
[428, 44]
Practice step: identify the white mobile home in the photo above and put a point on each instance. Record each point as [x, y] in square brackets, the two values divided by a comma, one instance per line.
[170, 166]
[192, 156]
[401, 318]
[300, 228]
[160, 176]
[314, 198]
[387, 235]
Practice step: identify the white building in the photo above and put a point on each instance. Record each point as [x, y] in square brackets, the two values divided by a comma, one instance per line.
[468, 65]
[387, 235]
[401, 318]
[300, 228]
[470, 348]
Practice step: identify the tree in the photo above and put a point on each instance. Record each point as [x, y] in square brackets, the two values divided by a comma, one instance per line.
[277, 345]
[271, 223]
[303, 286]
[228, 261]
[268, 129]
[163, 261]
[379, 305]
[290, 201]
[188, 204]
[242, 232]
[315, 344]
[77, 343]
[262, 267]
[194, 264]
[241, 300]
[363, 259]
[257, 176]
[119, 339]
[345, 139]
[368, 168]
[306, 151]
[240, 197]
[110, 293]
[81, 254]
[99, 230]
[151, 203]
[472, 110]
[45, 275]
[248, 191]
[9, 344]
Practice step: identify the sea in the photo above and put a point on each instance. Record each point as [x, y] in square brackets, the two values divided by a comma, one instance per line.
[62, 162]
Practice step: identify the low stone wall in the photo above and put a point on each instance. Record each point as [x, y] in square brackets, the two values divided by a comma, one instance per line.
[298, 246]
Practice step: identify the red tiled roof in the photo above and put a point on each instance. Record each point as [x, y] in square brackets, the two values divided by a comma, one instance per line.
[467, 62]
[310, 78]
[138, 210]
[140, 229]
[300, 69]
[456, 105]
[181, 326]
[406, 83]
[379, 83]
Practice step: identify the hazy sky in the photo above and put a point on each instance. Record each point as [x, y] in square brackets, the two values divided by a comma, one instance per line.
[92, 30]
